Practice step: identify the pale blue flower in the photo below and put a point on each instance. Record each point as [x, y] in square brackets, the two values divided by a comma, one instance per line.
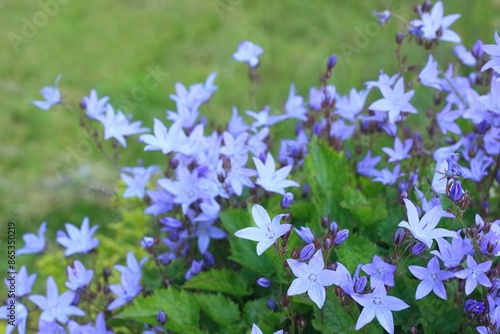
[395, 101]
[379, 271]
[270, 179]
[348, 107]
[256, 330]
[78, 241]
[432, 279]
[234, 147]
[494, 52]
[430, 23]
[133, 268]
[95, 107]
[295, 106]
[383, 79]
[128, 288]
[305, 234]
[206, 231]
[478, 167]
[401, 151]
[387, 177]
[474, 274]
[266, 232]
[34, 243]
[237, 125]
[22, 282]
[311, 278]
[78, 277]
[452, 254]
[424, 229]
[378, 304]
[161, 202]
[51, 95]
[136, 183]
[248, 53]
[117, 125]
[429, 76]
[21, 313]
[367, 165]
[464, 55]
[262, 118]
[55, 307]
[164, 140]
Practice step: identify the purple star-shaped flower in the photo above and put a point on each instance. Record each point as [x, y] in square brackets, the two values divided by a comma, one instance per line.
[51, 95]
[164, 140]
[23, 282]
[401, 151]
[117, 125]
[78, 277]
[474, 274]
[136, 183]
[432, 279]
[395, 101]
[452, 254]
[367, 165]
[95, 107]
[434, 26]
[270, 179]
[311, 278]
[429, 76]
[78, 241]
[494, 52]
[248, 53]
[55, 307]
[294, 106]
[34, 243]
[378, 304]
[387, 177]
[380, 271]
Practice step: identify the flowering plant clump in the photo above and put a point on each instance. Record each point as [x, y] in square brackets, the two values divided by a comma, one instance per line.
[377, 205]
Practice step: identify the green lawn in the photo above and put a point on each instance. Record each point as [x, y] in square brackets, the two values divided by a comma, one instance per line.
[111, 45]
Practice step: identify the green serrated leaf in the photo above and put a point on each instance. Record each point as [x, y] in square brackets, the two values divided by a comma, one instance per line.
[333, 318]
[257, 312]
[182, 311]
[355, 250]
[223, 280]
[367, 212]
[220, 309]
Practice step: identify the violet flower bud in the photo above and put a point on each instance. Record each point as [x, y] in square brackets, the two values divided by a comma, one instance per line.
[334, 227]
[209, 259]
[161, 317]
[83, 104]
[418, 248]
[272, 305]
[477, 49]
[399, 37]
[264, 282]
[332, 61]
[147, 242]
[306, 253]
[456, 191]
[287, 200]
[306, 190]
[341, 236]
[360, 284]
[473, 306]
[399, 237]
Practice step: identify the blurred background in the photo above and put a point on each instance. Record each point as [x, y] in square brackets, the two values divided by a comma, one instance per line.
[50, 172]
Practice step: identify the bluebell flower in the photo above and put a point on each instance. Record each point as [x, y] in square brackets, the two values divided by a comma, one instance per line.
[383, 79]
[431, 278]
[429, 76]
[21, 314]
[206, 231]
[452, 253]
[161, 202]
[378, 304]
[264, 282]
[78, 241]
[366, 166]
[434, 202]
[55, 306]
[491, 101]
[248, 53]
[379, 271]
[424, 229]
[400, 152]
[34, 243]
[256, 143]
[295, 106]
[446, 119]
[305, 234]
[263, 119]
[186, 190]
[234, 147]
[474, 274]
[464, 55]
[118, 126]
[395, 101]
[348, 107]
[78, 277]
[270, 179]
[237, 125]
[266, 232]
[164, 140]
[95, 107]
[128, 288]
[293, 151]
[51, 95]
[494, 52]
[311, 278]
[320, 96]
[133, 268]
[387, 177]
[23, 282]
[238, 176]
[431, 23]
[339, 129]
[136, 183]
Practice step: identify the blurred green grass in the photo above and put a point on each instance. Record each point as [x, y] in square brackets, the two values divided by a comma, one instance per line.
[109, 46]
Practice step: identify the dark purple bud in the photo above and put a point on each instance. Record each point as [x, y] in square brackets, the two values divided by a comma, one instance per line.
[477, 49]
[399, 37]
[332, 61]
[209, 259]
[307, 252]
[418, 248]
[287, 200]
[456, 191]
[170, 223]
[83, 104]
[106, 273]
[147, 242]
[360, 284]
[161, 318]
[473, 306]
[306, 190]
[264, 282]
[334, 227]
[341, 236]
[272, 305]
[399, 237]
